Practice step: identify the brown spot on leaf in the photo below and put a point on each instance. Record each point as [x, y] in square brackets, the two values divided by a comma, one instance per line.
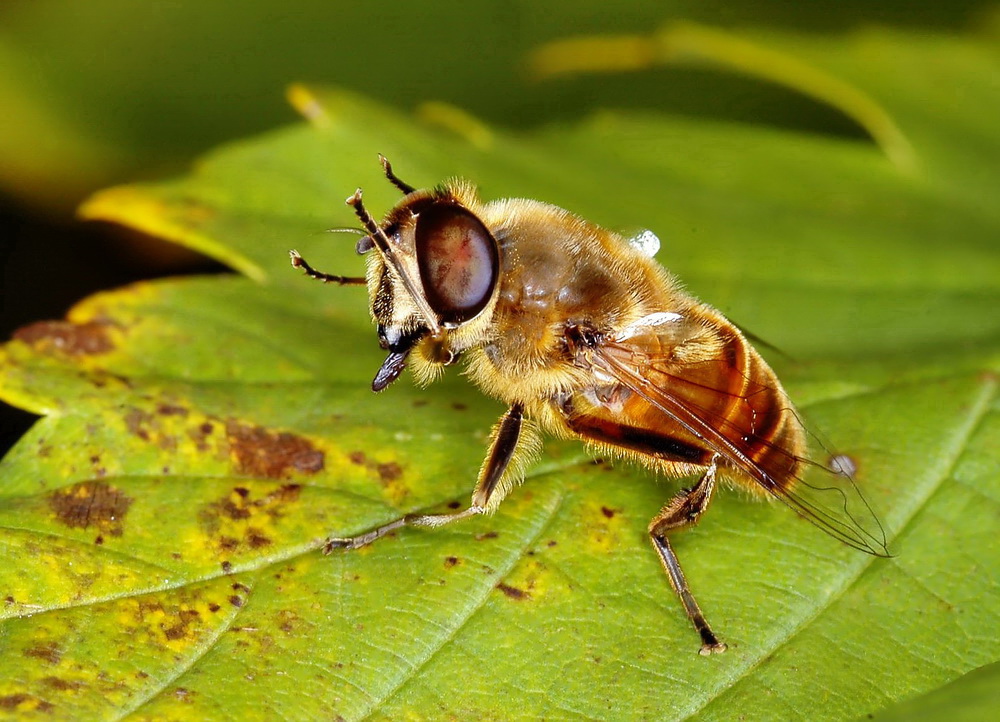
[213, 607]
[11, 701]
[389, 472]
[459, 406]
[487, 535]
[512, 592]
[181, 624]
[171, 410]
[449, 562]
[50, 653]
[608, 512]
[76, 339]
[137, 421]
[357, 457]
[91, 503]
[256, 539]
[288, 620]
[25, 702]
[236, 600]
[147, 427]
[262, 453]
[234, 520]
[232, 510]
[60, 684]
[289, 493]
[226, 568]
[199, 435]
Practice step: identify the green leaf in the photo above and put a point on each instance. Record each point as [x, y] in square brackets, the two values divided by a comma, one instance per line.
[201, 437]
[970, 698]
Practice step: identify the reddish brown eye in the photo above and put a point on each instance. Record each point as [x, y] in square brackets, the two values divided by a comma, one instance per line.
[458, 261]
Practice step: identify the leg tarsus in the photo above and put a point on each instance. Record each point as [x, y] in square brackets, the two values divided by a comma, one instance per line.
[428, 520]
[489, 491]
[682, 511]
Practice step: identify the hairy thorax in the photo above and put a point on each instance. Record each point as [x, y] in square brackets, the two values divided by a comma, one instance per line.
[557, 270]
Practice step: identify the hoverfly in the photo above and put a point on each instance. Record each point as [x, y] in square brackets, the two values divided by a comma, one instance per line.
[584, 336]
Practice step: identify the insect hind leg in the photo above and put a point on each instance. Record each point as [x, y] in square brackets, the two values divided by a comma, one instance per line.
[682, 511]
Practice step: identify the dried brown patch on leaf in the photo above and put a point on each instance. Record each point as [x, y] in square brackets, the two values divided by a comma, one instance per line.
[48, 652]
[288, 621]
[75, 339]
[23, 702]
[389, 473]
[60, 684]
[179, 623]
[201, 434]
[163, 428]
[172, 410]
[513, 592]
[91, 504]
[245, 519]
[138, 423]
[261, 453]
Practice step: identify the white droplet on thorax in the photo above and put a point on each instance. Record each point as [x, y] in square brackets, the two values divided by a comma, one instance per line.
[646, 242]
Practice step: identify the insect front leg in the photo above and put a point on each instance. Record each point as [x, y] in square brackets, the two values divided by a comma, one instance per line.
[680, 512]
[493, 484]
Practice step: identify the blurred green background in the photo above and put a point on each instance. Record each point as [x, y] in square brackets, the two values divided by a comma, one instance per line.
[100, 92]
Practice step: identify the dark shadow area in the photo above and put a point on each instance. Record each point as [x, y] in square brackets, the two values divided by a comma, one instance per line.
[48, 265]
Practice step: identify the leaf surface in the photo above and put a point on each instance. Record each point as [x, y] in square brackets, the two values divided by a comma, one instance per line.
[201, 437]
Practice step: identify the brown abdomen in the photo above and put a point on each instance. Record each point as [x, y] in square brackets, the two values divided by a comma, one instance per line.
[734, 393]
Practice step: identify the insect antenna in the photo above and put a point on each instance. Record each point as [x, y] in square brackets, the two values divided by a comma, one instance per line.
[406, 188]
[299, 262]
[355, 231]
[381, 242]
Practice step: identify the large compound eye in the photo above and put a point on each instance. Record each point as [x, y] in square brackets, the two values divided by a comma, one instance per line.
[458, 261]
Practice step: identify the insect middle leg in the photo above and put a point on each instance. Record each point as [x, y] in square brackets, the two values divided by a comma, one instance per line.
[680, 512]
[492, 486]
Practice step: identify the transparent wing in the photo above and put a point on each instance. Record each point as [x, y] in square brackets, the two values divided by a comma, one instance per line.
[718, 401]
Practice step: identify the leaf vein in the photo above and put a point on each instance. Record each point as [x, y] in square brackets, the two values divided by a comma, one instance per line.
[978, 410]
[471, 611]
